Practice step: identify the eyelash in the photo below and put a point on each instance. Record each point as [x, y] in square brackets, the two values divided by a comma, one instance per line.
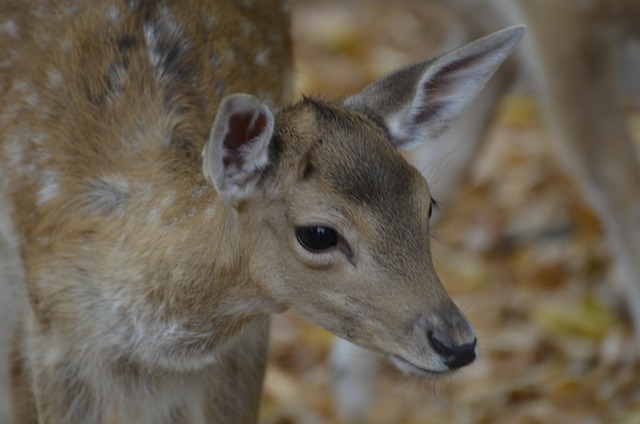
[434, 205]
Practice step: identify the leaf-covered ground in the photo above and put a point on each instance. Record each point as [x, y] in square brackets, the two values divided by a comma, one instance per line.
[518, 249]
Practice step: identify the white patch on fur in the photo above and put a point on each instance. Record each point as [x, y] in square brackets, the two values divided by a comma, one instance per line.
[209, 21]
[54, 78]
[108, 193]
[200, 191]
[13, 151]
[113, 13]
[157, 32]
[71, 10]
[211, 210]
[49, 187]
[20, 86]
[230, 55]
[215, 60]
[262, 58]
[32, 99]
[191, 213]
[66, 44]
[53, 355]
[143, 332]
[249, 29]
[9, 28]
[141, 398]
[150, 37]
[153, 216]
[168, 200]
[118, 77]
[39, 139]
[8, 60]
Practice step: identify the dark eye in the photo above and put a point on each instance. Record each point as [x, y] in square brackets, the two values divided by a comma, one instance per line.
[317, 238]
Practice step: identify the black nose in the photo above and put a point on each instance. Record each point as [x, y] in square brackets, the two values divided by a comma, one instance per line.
[454, 355]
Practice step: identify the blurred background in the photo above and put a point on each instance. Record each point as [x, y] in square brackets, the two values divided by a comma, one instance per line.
[516, 244]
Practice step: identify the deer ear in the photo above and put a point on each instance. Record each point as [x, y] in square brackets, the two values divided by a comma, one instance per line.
[238, 146]
[418, 102]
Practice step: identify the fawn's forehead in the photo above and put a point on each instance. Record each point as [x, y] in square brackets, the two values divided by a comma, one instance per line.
[352, 154]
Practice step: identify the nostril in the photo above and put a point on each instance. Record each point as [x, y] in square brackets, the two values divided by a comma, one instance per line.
[442, 348]
[454, 355]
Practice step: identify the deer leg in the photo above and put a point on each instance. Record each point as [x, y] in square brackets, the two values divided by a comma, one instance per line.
[574, 65]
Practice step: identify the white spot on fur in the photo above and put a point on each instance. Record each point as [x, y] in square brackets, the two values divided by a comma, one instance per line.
[189, 215]
[66, 44]
[249, 29]
[9, 28]
[208, 21]
[211, 210]
[153, 216]
[150, 39]
[71, 10]
[262, 58]
[107, 193]
[39, 138]
[168, 200]
[158, 32]
[20, 86]
[13, 151]
[230, 55]
[49, 187]
[54, 78]
[118, 78]
[200, 191]
[32, 99]
[133, 4]
[215, 60]
[113, 13]
[9, 58]
[155, 342]
[53, 355]
[220, 87]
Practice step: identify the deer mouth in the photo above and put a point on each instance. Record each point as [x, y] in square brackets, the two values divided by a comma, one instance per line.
[418, 371]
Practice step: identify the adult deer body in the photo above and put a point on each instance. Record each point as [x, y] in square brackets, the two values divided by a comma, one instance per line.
[162, 207]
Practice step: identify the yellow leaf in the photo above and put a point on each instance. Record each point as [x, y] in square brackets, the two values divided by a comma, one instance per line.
[518, 110]
[589, 318]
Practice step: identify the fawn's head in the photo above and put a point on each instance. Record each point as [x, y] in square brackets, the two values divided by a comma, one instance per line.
[338, 220]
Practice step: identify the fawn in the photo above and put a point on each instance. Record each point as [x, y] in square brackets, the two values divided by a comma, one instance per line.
[164, 200]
